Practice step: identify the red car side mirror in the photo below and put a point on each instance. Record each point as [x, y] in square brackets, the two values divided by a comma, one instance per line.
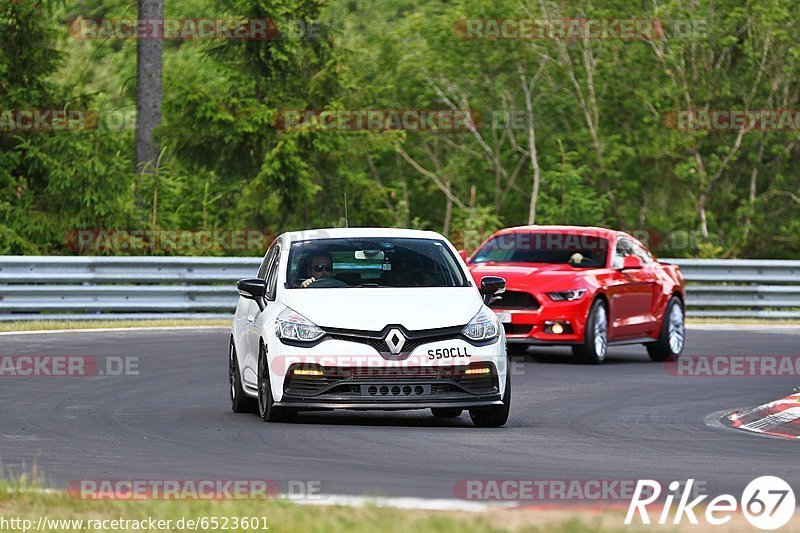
[631, 262]
[463, 254]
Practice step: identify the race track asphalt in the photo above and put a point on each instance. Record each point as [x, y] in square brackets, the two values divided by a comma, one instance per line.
[626, 419]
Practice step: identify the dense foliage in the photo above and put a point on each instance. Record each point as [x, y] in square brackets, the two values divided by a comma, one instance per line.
[588, 120]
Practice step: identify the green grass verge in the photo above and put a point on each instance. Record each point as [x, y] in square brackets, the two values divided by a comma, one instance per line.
[280, 515]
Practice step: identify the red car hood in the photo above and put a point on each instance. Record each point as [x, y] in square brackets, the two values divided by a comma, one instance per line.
[531, 276]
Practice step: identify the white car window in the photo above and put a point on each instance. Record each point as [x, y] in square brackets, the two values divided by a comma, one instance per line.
[272, 272]
[374, 262]
[262, 269]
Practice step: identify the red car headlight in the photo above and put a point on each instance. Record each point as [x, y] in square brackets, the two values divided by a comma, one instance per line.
[567, 296]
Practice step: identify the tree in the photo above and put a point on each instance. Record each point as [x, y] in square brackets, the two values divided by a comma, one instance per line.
[148, 90]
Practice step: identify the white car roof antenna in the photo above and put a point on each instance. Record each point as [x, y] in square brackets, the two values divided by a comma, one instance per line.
[346, 223]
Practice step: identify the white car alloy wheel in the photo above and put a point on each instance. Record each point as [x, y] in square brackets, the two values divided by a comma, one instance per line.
[240, 402]
[232, 373]
[263, 387]
[266, 404]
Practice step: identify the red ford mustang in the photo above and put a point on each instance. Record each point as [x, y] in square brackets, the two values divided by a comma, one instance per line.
[584, 287]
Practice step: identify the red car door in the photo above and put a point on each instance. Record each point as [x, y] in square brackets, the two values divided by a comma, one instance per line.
[631, 292]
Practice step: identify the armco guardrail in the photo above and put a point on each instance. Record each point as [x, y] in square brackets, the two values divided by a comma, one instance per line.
[41, 287]
[743, 288]
[44, 287]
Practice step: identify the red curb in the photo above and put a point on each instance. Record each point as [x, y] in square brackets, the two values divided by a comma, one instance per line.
[780, 418]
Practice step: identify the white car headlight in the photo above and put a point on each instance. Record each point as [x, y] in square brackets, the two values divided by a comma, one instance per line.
[483, 326]
[567, 296]
[293, 326]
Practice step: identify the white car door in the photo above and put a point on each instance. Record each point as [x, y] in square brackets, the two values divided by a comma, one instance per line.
[252, 318]
[242, 319]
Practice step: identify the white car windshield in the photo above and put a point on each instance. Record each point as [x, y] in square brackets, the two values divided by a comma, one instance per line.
[373, 262]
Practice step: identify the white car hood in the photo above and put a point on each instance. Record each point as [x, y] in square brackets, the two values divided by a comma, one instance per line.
[372, 309]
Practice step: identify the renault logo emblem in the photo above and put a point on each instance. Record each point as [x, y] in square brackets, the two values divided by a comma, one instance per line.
[395, 341]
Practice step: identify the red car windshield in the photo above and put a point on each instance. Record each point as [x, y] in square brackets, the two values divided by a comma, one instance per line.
[575, 249]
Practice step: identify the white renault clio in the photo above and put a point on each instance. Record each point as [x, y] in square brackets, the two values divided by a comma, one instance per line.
[368, 319]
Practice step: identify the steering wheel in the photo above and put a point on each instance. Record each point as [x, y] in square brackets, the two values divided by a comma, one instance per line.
[324, 283]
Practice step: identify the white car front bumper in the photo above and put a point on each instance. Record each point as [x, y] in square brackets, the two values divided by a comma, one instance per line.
[349, 372]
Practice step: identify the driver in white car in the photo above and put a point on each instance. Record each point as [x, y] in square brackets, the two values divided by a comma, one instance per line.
[320, 266]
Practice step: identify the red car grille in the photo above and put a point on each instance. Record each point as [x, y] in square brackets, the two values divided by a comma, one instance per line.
[515, 300]
[517, 329]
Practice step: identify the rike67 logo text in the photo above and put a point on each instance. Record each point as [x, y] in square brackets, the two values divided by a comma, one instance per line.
[767, 502]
